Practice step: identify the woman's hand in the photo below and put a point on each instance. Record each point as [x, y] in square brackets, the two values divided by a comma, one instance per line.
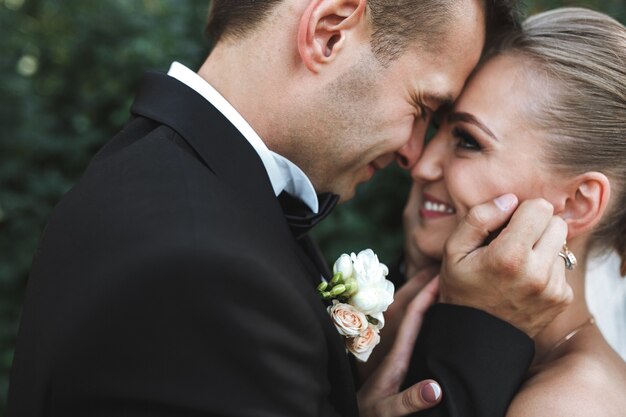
[393, 319]
[379, 396]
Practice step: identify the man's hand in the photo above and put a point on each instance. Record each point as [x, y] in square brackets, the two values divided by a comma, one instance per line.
[380, 396]
[519, 276]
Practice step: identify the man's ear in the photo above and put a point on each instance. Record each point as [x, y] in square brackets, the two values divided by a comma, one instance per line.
[324, 27]
[586, 203]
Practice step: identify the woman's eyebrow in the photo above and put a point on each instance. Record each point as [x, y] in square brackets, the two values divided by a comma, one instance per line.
[468, 118]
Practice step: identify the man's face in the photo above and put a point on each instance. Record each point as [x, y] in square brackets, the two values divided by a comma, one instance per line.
[372, 115]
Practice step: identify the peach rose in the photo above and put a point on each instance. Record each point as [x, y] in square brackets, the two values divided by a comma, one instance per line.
[348, 320]
[362, 345]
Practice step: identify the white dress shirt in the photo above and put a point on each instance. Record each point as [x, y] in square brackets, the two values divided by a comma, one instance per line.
[284, 174]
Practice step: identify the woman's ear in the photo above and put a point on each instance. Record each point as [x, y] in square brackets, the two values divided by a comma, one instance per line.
[586, 203]
[323, 29]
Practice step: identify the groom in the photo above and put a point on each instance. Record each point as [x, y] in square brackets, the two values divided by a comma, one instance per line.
[176, 277]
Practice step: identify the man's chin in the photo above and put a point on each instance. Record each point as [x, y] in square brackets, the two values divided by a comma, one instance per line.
[345, 193]
[348, 193]
[344, 199]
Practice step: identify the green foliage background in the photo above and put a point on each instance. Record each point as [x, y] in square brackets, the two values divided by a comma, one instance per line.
[68, 70]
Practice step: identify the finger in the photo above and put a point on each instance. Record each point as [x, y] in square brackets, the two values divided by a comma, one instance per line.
[479, 222]
[558, 288]
[413, 286]
[390, 374]
[527, 224]
[421, 396]
[394, 316]
[555, 297]
[412, 323]
[546, 253]
[551, 241]
[545, 257]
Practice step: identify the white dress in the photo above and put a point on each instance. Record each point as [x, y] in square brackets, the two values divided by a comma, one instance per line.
[606, 296]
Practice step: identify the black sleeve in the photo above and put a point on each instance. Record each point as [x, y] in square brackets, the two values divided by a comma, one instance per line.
[479, 361]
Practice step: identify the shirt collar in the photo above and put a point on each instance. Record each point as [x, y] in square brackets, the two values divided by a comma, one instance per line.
[284, 175]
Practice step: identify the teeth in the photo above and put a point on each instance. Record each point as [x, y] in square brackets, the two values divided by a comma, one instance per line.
[438, 207]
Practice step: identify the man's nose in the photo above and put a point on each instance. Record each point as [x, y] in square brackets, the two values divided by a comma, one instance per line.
[430, 165]
[407, 155]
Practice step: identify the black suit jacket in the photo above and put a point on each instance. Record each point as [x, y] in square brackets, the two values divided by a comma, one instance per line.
[167, 283]
[480, 361]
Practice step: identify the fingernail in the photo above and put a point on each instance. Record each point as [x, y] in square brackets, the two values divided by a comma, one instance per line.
[431, 392]
[505, 202]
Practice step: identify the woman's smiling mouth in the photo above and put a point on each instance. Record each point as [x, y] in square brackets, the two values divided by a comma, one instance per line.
[433, 207]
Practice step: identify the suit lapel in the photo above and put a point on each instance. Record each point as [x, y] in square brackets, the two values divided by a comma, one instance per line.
[339, 369]
[220, 146]
[217, 142]
[314, 253]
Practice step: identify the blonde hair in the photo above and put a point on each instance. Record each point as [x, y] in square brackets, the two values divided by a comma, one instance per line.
[582, 56]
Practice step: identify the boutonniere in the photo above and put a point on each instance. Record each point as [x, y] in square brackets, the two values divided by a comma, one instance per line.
[360, 294]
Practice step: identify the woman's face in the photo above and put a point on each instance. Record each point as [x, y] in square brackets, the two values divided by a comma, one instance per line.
[485, 147]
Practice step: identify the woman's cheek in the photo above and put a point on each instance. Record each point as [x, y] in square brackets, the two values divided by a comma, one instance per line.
[462, 183]
[470, 185]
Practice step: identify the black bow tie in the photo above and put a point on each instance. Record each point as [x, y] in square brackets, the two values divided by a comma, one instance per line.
[300, 217]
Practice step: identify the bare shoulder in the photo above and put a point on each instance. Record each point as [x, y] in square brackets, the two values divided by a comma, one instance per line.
[578, 384]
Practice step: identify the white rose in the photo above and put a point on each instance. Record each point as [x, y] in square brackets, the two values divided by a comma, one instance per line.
[344, 265]
[348, 320]
[375, 292]
[362, 345]
[367, 268]
[373, 300]
[380, 318]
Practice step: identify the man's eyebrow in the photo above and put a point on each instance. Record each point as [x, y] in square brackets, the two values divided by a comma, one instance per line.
[468, 118]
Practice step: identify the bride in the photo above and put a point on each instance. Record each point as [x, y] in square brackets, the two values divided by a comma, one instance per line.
[544, 116]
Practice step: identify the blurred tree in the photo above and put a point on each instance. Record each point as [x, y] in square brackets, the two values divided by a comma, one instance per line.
[68, 71]
[67, 74]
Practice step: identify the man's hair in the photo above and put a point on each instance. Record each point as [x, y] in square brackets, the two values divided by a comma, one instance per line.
[397, 23]
[236, 18]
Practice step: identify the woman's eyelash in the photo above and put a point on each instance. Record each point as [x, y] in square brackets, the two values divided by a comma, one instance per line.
[465, 140]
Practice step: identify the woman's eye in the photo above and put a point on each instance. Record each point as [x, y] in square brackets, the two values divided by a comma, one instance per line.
[465, 140]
